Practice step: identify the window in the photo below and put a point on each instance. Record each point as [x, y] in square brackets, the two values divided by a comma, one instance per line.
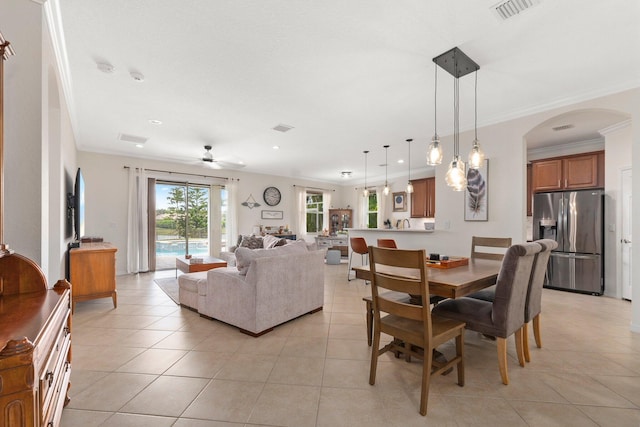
[372, 210]
[314, 212]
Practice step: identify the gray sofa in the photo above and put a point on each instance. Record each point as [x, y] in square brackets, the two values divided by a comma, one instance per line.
[266, 288]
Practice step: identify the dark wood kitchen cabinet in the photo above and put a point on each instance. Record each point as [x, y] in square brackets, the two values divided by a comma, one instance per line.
[423, 198]
[574, 172]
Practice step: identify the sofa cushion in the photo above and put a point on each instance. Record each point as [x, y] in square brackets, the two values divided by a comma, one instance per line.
[251, 242]
[244, 256]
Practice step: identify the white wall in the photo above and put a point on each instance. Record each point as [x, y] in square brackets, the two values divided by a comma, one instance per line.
[39, 147]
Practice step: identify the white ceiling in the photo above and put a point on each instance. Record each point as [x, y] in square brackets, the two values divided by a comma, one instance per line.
[347, 75]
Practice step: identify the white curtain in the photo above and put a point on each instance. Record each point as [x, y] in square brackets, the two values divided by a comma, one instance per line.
[137, 225]
[232, 212]
[299, 213]
[326, 205]
[382, 206]
[363, 207]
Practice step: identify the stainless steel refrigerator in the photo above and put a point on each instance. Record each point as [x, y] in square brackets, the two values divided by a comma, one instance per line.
[575, 220]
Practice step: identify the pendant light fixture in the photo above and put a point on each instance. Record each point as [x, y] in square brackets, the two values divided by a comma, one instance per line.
[457, 64]
[434, 152]
[409, 184]
[365, 193]
[385, 191]
[476, 156]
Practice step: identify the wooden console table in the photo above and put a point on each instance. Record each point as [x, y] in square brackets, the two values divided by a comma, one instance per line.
[92, 274]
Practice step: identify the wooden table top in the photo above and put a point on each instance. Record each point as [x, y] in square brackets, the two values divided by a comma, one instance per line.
[454, 282]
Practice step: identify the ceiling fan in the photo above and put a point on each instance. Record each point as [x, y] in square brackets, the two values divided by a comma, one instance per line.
[208, 160]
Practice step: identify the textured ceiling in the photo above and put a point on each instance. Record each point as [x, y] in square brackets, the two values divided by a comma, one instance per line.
[347, 75]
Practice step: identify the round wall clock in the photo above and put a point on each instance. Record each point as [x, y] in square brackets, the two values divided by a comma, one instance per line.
[271, 196]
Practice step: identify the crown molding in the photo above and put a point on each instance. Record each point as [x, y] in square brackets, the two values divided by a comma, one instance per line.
[616, 127]
[596, 144]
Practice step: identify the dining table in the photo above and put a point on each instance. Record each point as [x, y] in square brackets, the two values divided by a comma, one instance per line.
[452, 282]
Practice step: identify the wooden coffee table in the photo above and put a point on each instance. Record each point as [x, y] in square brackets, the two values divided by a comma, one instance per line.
[186, 266]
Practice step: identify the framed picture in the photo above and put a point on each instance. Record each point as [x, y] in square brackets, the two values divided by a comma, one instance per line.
[400, 201]
[271, 214]
[476, 195]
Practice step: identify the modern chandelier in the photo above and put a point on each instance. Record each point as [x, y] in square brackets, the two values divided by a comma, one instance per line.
[456, 63]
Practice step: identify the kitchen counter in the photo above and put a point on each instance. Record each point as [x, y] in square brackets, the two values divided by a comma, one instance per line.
[389, 230]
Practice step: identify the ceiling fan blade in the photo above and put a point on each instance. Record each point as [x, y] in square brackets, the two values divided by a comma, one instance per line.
[228, 165]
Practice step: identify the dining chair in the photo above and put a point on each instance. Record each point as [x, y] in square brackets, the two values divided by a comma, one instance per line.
[488, 242]
[358, 246]
[533, 301]
[505, 315]
[415, 331]
[387, 243]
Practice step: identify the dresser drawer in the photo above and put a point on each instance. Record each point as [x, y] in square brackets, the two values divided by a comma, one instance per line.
[54, 369]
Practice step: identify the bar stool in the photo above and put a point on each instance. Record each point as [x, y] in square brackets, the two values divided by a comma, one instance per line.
[387, 243]
[359, 246]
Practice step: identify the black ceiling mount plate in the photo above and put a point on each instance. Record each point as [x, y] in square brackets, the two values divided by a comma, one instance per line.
[456, 62]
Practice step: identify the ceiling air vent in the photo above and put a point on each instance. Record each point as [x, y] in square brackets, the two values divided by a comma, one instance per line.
[132, 138]
[283, 128]
[563, 127]
[510, 8]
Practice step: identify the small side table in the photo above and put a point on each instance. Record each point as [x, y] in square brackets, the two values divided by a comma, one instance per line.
[186, 266]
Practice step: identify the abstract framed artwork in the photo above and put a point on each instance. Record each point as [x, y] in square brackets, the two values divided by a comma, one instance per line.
[476, 195]
[400, 201]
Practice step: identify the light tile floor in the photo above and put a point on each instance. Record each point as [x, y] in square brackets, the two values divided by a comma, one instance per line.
[152, 363]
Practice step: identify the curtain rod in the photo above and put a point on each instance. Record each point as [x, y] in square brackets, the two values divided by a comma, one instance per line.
[314, 188]
[182, 173]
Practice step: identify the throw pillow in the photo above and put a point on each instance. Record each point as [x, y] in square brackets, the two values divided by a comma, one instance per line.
[269, 241]
[281, 242]
[251, 242]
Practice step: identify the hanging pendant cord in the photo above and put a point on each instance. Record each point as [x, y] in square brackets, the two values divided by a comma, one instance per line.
[475, 126]
[435, 102]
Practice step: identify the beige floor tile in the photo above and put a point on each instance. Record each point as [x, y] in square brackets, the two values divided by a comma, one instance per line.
[100, 336]
[348, 332]
[133, 420]
[200, 364]
[583, 390]
[167, 396]
[346, 373]
[223, 342]
[180, 340]
[153, 361]
[351, 407]
[612, 417]
[116, 321]
[81, 379]
[544, 414]
[224, 400]
[266, 344]
[483, 411]
[306, 329]
[297, 370]
[627, 387]
[80, 418]
[348, 349]
[111, 392]
[143, 338]
[247, 367]
[102, 358]
[190, 422]
[349, 318]
[313, 347]
[286, 405]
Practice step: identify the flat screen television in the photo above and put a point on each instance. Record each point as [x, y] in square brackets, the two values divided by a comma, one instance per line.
[78, 206]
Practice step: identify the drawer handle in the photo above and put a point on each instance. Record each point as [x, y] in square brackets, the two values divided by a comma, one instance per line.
[66, 366]
[66, 331]
[49, 378]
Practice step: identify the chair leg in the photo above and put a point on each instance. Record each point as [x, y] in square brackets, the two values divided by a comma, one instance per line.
[349, 268]
[375, 350]
[502, 359]
[426, 378]
[519, 350]
[460, 354]
[369, 322]
[525, 342]
[536, 330]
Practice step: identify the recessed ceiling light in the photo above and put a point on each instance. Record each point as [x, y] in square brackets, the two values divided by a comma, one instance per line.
[139, 77]
[155, 122]
[105, 67]
[400, 161]
[139, 145]
[276, 147]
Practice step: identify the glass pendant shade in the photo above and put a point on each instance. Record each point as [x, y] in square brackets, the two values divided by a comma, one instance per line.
[456, 176]
[476, 156]
[385, 191]
[365, 192]
[409, 187]
[434, 152]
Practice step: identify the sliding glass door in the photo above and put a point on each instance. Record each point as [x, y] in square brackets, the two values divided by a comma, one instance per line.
[181, 222]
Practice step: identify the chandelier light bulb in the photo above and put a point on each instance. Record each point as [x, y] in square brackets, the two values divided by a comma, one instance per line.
[385, 190]
[409, 187]
[365, 192]
[434, 152]
[476, 156]
[456, 176]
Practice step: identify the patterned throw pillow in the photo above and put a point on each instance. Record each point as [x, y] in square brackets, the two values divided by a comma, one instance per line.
[280, 242]
[251, 242]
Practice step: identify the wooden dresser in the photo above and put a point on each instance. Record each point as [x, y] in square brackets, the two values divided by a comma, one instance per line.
[35, 345]
[92, 270]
